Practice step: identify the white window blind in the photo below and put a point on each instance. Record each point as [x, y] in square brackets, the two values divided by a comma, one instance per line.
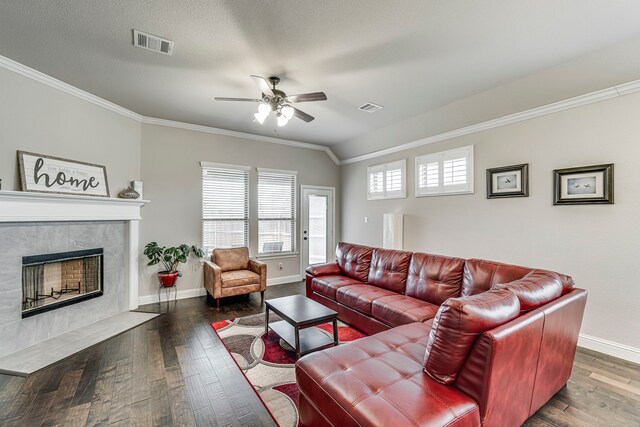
[225, 206]
[446, 172]
[387, 181]
[276, 211]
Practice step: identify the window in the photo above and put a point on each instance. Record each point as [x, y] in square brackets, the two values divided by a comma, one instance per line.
[225, 206]
[387, 181]
[447, 172]
[276, 211]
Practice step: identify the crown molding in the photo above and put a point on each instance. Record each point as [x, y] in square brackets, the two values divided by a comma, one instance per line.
[578, 101]
[243, 135]
[23, 70]
[40, 77]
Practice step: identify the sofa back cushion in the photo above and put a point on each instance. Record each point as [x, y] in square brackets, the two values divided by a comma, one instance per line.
[354, 260]
[457, 325]
[434, 278]
[535, 289]
[480, 275]
[231, 259]
[389, 269]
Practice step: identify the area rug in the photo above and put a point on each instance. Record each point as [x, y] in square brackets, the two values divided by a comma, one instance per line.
[269, 363]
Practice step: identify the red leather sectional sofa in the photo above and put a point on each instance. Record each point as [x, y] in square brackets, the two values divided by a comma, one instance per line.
[453, 342]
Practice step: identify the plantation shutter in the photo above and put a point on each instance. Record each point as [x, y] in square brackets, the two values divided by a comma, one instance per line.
[276, 211]
[387, 181]
[225, 206]
[446, 172]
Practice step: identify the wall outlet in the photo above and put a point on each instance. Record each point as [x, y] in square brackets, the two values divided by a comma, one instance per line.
[280, 267]
[366, 219]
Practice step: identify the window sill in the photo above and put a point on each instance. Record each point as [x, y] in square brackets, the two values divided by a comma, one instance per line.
[278, 256]
[450, 193]
[387, 197]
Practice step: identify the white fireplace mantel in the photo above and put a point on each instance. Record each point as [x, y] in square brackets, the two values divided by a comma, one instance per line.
[20, 206]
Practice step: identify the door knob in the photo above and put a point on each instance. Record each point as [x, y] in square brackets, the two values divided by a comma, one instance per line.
[305, 238]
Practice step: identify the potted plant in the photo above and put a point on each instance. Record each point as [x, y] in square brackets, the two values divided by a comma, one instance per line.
[170, 259]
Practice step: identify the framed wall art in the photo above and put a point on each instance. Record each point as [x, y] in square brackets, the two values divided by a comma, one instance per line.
[508, 181]
[47, 174]
[583, 185]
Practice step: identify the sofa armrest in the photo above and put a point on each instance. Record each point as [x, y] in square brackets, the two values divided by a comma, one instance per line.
[500, 371]
[213, 279]
[260, 268]
[323, 269]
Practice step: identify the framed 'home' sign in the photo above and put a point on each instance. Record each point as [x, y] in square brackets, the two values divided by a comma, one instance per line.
[48, 174]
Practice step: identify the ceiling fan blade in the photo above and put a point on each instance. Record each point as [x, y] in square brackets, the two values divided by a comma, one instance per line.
[307, 97]
[263, 84]
[302, 115]
[217, 98]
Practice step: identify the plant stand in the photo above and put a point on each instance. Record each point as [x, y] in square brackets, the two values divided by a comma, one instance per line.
[167, 292]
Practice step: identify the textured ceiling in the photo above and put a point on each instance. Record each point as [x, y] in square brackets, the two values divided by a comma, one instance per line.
[411, 56]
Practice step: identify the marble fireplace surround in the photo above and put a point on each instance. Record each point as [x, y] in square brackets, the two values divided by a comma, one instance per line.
[36, 223]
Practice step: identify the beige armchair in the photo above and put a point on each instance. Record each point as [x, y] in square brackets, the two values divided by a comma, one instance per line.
[231, 272]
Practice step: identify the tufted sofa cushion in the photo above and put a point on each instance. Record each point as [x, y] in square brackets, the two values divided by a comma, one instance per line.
[360, 297]
[379, 381]
[434, 278]
[396, 310]
[389, 269]
[535, 289]
[354, 260]
[458, 324]
[328, 285]
[480, 275]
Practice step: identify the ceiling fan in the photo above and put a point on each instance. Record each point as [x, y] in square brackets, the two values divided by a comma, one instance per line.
[279, 102]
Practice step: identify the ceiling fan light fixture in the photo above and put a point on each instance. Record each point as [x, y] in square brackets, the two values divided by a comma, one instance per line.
[264, 109]
[277, 101]
[287, 111]
[260, 117]
[282, 120]
[263, 113]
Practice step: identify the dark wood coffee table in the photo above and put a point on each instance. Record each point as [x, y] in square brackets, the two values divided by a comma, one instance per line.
[300, 314]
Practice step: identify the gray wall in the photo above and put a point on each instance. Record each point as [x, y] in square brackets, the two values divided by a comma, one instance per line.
[173, 182]
[23, 239]
[597, 244]
[45, 120]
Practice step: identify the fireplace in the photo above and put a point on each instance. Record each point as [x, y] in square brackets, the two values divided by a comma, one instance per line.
[56, 280]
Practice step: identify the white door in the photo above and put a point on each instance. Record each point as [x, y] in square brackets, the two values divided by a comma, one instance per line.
[317, 232]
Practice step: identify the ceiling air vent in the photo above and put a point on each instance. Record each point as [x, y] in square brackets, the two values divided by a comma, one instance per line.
[151, 42]
[370, 107]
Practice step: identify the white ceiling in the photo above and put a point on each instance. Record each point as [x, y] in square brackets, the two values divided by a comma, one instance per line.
[411, 56]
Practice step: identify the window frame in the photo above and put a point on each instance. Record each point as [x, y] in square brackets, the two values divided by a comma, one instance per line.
[385, 168]
[247, 217]
[440, 157]
[294, 211]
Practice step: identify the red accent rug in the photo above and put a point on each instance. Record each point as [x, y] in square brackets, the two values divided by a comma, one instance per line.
[267, 362]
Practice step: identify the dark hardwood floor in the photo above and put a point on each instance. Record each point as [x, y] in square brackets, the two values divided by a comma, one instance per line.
[174, 370]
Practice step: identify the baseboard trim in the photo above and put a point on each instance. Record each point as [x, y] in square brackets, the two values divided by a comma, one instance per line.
[611, 348]
[285, 279]
[186, 293]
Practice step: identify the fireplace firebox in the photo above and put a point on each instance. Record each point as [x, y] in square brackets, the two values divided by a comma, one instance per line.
[56, 280]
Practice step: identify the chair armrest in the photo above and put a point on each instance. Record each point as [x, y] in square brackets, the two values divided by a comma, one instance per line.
[323, 269]
[260, 268]
[213, 279]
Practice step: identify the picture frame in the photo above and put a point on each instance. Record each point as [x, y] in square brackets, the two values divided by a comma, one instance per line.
[508, 181]
[40, 173]
[584, 185]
